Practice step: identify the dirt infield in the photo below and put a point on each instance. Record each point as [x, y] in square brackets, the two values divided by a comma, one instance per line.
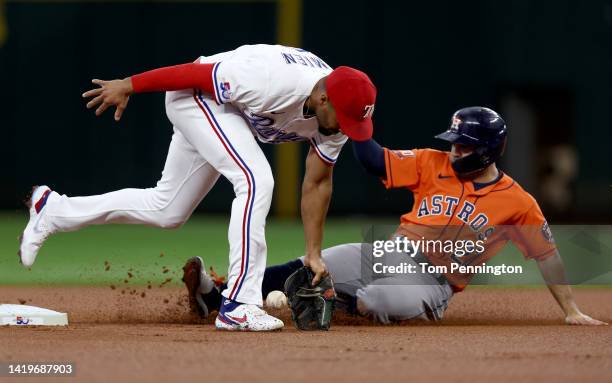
[147, 335]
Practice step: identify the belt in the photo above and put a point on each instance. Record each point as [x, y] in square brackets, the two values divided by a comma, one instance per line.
[440, 278]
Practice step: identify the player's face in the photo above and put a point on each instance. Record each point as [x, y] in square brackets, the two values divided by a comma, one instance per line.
[326, 116]
[459, 151]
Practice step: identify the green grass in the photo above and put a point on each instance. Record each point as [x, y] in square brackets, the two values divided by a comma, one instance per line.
[78, 258]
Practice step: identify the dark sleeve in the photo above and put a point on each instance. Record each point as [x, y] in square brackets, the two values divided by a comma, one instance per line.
[371, 156]
[275, 276]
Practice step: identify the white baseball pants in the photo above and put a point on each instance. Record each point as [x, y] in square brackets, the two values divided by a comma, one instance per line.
[208, 140]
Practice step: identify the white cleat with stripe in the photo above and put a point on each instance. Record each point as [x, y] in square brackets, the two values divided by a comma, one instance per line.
[245, 317]
[37, 230]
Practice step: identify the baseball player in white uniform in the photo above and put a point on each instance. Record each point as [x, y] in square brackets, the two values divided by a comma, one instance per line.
[218, 105]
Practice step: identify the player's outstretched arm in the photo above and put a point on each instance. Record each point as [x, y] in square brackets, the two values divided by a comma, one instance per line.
[117, 92]
[553, 272]
[316, 194]
[110, 93]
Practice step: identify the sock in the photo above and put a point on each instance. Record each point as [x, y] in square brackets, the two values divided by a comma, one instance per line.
[275, 276]
[213, 298]
[228, 305]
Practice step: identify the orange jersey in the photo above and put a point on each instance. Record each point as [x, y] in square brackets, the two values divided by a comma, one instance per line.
[448, 208]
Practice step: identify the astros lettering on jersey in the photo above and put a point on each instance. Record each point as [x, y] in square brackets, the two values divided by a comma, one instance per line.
[446, 207]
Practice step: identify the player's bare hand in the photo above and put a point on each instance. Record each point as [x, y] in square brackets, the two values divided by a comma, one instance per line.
[582, 319]
[317, 266]
[110, 93]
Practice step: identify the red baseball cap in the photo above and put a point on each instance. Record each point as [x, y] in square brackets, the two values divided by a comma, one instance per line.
[353, 96]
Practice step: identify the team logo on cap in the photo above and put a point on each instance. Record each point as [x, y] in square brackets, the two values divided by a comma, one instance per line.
[369, 111]
[455, 125]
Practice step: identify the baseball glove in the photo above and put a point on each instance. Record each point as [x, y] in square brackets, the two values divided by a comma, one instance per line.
[311, 306]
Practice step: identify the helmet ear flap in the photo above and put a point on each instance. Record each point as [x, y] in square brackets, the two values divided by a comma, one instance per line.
[495, 152]
[503, 149]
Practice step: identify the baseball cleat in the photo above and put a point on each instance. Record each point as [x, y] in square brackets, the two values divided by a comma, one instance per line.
[198, 283]
[37, 230]
[235, 316]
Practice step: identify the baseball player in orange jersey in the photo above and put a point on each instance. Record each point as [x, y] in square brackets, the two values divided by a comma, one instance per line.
[459, 196]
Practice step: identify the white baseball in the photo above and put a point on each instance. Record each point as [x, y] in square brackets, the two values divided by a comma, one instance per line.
[276, 299]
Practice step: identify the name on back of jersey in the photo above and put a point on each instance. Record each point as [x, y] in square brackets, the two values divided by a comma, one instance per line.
[304, 58]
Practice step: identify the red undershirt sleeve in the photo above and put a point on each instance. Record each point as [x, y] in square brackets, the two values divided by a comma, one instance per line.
[177, 77]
